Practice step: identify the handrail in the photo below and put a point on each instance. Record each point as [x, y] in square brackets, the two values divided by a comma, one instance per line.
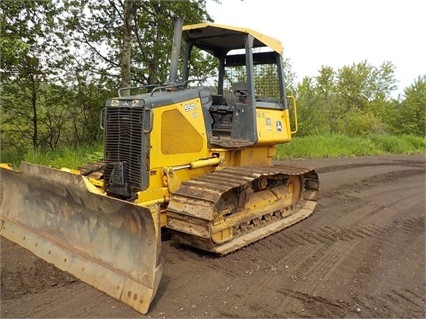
[295, 113]
[146, 86]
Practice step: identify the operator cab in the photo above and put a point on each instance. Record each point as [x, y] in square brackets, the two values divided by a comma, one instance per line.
[249, 77]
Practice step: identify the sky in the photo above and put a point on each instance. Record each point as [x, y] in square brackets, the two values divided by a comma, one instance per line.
[337, 33]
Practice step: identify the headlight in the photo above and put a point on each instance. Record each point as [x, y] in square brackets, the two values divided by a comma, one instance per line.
[140, 103]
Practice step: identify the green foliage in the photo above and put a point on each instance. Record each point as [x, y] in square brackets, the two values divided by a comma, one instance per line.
[312, 110]
[141, 30]
[55, 80]
[403, 144]
[362, 83]
[356, 101]
[61, 60]
[317, 146]
[410, 114]
[69, 157]
[360, 123]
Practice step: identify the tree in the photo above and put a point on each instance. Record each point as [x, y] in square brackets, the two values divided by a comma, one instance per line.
[310, 109]
[128, 40]
[354, 100]
[365, 97]
[26, 66]
[61, 59]
[411, 112]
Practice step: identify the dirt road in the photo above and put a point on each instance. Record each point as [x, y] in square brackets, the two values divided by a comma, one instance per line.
[361, 254]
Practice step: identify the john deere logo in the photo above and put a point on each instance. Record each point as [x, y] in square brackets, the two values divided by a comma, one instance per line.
[279, 126]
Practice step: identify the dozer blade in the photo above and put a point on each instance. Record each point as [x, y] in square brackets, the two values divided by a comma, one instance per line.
[110, 244]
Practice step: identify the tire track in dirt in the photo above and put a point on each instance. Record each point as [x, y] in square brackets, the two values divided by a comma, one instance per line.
[394, 304]
[316, 306]
[291, 239]
[317, 253]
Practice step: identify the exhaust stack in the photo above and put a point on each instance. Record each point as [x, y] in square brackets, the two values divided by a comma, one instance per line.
[177, 38]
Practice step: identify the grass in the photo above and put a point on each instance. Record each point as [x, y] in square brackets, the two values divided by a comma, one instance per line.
[344, 146]
[299, 147]
[58, 158]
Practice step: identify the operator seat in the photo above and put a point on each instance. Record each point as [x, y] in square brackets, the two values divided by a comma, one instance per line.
[238, 92]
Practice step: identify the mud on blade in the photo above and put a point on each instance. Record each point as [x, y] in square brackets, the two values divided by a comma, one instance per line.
[110, 244]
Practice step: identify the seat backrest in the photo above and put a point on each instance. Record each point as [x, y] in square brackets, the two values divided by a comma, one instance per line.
[240, 88]
[230, 98]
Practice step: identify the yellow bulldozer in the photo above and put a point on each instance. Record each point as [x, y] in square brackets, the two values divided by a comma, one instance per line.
[192, 156]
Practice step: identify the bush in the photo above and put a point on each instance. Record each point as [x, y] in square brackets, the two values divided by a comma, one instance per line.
[61, 157]
[334, 145]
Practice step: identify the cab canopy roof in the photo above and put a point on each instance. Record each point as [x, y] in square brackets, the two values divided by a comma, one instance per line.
[220, 39]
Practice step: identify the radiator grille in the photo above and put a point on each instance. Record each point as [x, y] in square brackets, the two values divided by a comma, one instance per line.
[123, 148]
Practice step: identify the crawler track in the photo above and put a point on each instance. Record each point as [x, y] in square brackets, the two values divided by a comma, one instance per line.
[233, 207]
